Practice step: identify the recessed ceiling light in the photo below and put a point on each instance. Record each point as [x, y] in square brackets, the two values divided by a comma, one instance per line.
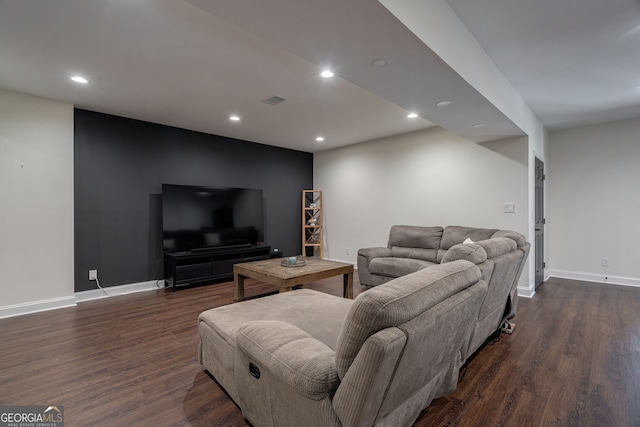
[443, 103]
[234, 118]
[319, 138]
[79, 79]
[412, 115]
[326, 74]
[379, 63]
[478, 125]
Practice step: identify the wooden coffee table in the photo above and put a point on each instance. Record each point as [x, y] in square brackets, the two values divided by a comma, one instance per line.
[285, 278]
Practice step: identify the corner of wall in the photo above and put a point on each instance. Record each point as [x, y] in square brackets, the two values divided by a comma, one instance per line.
[37, 219]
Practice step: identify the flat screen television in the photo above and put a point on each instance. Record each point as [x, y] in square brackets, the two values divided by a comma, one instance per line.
[200, 218]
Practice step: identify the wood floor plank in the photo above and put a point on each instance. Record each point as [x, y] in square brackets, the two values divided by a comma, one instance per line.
[556, 351]
[574, 359]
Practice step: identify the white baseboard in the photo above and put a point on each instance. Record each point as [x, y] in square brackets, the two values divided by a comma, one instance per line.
[113, 291]
[526, 292]
[531, 290]
[36, 306]
[597, 278]
[72, 300]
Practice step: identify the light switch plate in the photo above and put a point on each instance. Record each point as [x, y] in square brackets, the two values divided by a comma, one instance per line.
[509, 207]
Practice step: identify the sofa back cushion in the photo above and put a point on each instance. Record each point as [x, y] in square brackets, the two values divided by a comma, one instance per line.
[472, 252]
[454, 234]
[497, 246]
[398, 301]
[408, 241]
[513, 235]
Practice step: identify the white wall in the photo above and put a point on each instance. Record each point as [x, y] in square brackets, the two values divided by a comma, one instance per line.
[36, 203]
[594, 202]
[431, 177]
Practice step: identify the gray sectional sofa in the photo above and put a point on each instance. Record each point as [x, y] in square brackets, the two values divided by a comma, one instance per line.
[309, 358]
[306, 358]
[500, 255]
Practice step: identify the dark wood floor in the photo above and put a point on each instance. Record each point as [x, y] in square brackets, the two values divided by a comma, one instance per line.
[573, 360]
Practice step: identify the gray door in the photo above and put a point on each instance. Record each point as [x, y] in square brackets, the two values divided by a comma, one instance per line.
[539, 249]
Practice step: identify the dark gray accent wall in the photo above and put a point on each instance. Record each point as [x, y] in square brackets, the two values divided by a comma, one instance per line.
[119, 167]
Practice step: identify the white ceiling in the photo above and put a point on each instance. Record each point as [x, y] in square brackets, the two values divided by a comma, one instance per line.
[575, 62]
[191, 64]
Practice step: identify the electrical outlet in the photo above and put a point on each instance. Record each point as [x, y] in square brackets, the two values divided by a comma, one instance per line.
[93, 274]
[346, 251]
[604, 262]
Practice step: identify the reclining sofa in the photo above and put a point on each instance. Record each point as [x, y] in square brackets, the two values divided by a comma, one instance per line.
[500, 255]
[307, 358]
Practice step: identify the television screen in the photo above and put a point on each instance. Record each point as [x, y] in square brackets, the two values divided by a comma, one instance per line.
[199, 218]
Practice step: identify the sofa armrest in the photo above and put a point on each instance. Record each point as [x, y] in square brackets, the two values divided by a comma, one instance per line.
[497, 246]
[365, 256]
[289, 355]
[370, 253]
[472, 252]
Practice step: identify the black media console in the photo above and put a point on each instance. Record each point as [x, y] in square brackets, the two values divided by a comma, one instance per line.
[185, 268]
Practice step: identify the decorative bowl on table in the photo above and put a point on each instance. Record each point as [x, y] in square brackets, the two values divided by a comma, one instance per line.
[293, 261]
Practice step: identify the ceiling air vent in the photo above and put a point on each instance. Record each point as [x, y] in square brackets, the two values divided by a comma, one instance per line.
[274, 100]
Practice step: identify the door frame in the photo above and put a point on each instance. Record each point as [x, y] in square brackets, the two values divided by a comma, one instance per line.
[539, 221]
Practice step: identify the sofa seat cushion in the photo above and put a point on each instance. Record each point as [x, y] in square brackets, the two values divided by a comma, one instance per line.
[317, 313]
[396, 267]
